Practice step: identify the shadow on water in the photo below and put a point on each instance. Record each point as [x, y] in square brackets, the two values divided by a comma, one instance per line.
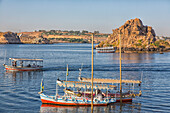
[116, 107]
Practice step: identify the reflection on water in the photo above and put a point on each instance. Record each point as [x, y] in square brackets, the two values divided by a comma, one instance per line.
[116, 107]
[23, 75]
[135, 57]
[18, 90]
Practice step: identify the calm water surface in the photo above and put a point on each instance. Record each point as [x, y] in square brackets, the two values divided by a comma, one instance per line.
[19, 90]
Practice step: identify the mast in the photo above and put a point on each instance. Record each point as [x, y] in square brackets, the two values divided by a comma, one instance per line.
[5, 58]
[67, 72]
[92, 77]
[120, 55]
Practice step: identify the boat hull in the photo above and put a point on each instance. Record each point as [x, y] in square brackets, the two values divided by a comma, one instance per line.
[70, 102]
[124, 100]
[11, 68]
[106, 51]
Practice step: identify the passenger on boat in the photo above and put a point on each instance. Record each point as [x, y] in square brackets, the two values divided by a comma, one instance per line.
[15, 63]
[33, 65]
[28, 65]
[12, 63]
[21, 63]
[99, 94]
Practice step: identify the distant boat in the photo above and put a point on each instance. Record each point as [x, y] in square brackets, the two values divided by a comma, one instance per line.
[106, 50]
[20, 64]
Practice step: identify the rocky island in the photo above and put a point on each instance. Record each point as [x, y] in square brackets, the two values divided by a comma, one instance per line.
[136, 37]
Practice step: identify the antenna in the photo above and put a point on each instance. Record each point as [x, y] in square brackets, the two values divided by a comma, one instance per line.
[141, 76]
[5, 58]
[80, 69]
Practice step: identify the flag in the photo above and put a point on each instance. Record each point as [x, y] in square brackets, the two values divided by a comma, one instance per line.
[42, 86]
[67, 69]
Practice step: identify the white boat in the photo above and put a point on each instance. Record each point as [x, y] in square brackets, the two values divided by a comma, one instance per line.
[106, 50]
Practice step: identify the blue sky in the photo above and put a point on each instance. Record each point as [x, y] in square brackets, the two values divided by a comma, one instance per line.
[91, 15]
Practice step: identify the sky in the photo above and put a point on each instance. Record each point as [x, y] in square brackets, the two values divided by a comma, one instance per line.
[90, 15]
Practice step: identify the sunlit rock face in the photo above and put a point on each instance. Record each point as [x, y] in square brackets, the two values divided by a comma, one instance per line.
[133, 34]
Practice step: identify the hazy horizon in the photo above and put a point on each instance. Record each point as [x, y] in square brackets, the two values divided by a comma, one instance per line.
[90, 15]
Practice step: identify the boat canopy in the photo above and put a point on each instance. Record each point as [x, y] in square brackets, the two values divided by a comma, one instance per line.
[99, 80]
[22, 59]
[84, 85]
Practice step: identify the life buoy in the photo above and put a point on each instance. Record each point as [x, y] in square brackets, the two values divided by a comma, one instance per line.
[63, 98]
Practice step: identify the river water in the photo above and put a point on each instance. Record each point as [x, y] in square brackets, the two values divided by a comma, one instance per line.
[19, 90]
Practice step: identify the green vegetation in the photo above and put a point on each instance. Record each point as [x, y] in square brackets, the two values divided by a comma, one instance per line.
[138, 44]
[144, 46]
[101, 44]
[166, 43]
[108, 45]
[157, 43]
[74, 33]
[73, 40]
[140, 41]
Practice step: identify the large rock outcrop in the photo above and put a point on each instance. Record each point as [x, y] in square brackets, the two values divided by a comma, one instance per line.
[9, 38]
[133, 35]
[25, 38]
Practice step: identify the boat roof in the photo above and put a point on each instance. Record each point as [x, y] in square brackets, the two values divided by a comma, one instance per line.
[79, 84]
[23, 59]
[101, 80]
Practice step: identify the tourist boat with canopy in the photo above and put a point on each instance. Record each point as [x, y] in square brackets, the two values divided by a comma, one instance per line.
[132, 88]
[78, 93]
[21, 64]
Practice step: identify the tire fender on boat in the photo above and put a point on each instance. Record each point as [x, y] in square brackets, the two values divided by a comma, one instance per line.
[96, 100]
[64, 98]
[84, 100]
[106, 100]
[74, 100]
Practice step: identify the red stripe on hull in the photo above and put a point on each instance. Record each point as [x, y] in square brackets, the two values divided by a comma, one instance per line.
[106, 51]
[70, 104]
[22, 69]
